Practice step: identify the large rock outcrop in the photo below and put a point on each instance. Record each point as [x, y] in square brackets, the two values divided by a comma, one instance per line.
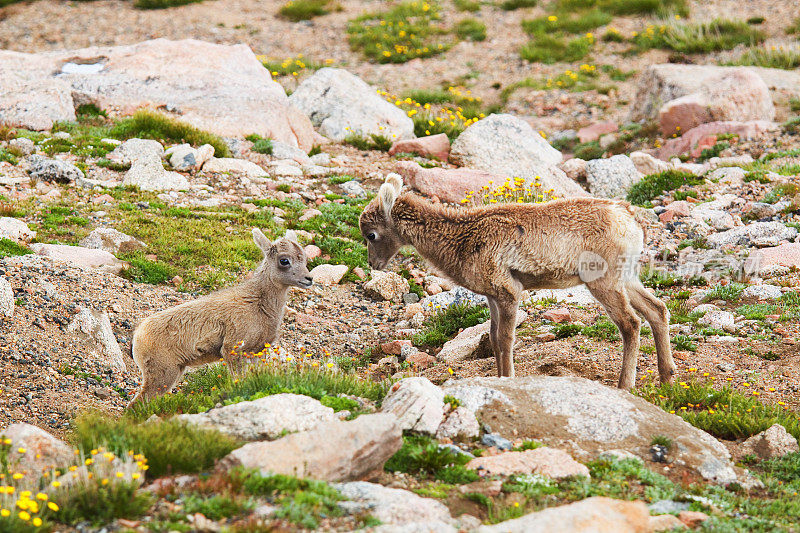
[587, 419]
[219, 88]
[340, 103]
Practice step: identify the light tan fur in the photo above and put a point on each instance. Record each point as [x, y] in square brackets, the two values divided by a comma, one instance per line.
[245, 317]
[501, 250]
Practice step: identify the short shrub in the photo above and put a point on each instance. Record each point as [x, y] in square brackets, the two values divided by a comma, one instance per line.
[656, 184]
[470, 29]
[216, 507]
[297, 10]
[578, 23]
[260, 144]
[145, 124]
[772, 57]
[589, 150]
[371, 142]
[699, 38]
[443, 324]
[423, 456]
[99, 503]
[563, 331]
[684, 343]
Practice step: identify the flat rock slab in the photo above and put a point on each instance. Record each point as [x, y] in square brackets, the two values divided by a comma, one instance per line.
[588, 418]
[265, 418]
[592, 515]
[545, 461]
[395, 506]
[223, 89]
[79, 256]
[333, 451]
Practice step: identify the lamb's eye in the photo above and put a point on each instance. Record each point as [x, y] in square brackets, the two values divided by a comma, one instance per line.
[371, 236]
[285, 262]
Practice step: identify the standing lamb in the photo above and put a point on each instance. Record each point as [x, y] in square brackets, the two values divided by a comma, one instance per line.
[246, 316]
[500, 250]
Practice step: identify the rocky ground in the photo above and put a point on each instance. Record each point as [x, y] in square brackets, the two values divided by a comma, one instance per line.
[101, 226]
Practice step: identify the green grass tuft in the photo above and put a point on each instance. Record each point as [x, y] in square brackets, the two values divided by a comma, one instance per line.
[170, 446]
[9, 248]
[699, 38]
[162, 4]
[773, 57]
[443, 324]
[297, 10]
[546, 48]
[511, 5]
[656, 184]
[145, 124]
[470, 29]
[422, 455]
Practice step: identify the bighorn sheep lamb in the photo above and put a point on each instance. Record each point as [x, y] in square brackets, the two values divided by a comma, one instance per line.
[500, 250]
[246, 316]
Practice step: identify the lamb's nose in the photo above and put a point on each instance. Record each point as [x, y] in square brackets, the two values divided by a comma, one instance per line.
[309, 279]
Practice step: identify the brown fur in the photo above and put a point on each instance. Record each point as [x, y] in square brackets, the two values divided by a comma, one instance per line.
[246, 317]
[501, 250]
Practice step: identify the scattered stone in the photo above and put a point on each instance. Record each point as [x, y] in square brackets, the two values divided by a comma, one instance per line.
[185, 157]
[417, 403]
[558, 316]
[53, 170]
[326, 274]
[723, 320]
[134, 150]
[79, 256]
[388, 285]
[353, 188]
[692, 519]
[6, 298]
[501, 443]
[432, 146]
[665, 522]
[592, 515]
[396, 506]
[785, 255]
[458, 295]
[340, 104]
[332, 451]
[15, 229]
[689, 140]
[266, 418]
[312, 251]
[461, 424]
[771, 443]
[647, 164]
[287, 151]
[395, 347]
[756, 233]
[111, 241]
[574, 168]
[420, 360]
[321, 159]
[545, 461]
[96, 326]
[22, 145]
[148, 174]
[612, 177]
[472, 342]
[593, 132]
[447, 184]
[222, 165]
[762, 292]
[42, 451]
[737, 94]
[508, 146]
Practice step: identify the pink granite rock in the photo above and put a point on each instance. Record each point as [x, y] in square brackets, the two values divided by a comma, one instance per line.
[437, 146]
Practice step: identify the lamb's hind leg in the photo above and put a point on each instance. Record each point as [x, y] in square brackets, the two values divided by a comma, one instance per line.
[157, 379]
[615, 301]
[657, 315]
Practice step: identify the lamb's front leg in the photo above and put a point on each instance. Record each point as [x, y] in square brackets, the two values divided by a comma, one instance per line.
[494, 320]
[506, 333]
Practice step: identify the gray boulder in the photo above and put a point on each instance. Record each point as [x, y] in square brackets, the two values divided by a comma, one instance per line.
[54, 170]
[265, 418]
[612, 177]
[587, 419]
[111, 241]
[508, 146]
[340, 104]
[754, 234]
[417, 403]
[397, 506]
[96, 327]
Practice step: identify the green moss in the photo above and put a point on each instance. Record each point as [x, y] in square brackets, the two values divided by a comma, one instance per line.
[470, 29]
[657, 184]
[10, 248]
[297, 10]
[145, 124]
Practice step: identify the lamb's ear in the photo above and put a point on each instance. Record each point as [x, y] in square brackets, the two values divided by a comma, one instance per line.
[395, 180]
[261, 241]
[291, 235]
